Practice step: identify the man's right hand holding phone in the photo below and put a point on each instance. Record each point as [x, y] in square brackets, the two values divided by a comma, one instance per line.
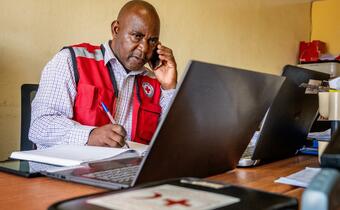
[166, 71]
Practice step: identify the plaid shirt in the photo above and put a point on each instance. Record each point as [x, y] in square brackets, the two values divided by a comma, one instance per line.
[52, 107]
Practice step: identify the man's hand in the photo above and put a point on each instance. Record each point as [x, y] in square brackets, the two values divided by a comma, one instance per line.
[166, 73]
[108, 135]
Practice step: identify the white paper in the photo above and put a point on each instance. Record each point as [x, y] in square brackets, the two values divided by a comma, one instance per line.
[334, 83]
[323, 136]
[140, 148]
[72, 155]
[164, 197]
[301, 178]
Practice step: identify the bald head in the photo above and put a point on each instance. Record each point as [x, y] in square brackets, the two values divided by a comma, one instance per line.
[135, 34]
[138, 7]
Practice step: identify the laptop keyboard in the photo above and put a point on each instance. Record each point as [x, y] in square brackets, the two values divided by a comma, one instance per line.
[116, 175]
[248, 153]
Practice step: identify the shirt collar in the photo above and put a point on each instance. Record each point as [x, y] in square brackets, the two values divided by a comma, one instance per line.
[110, 57]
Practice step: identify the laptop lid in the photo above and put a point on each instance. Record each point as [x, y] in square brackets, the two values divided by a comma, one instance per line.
[213, 115]
[290, 117]
[210, 122]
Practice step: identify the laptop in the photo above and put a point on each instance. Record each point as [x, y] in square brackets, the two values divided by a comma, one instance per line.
[287, 121]
[214, 113]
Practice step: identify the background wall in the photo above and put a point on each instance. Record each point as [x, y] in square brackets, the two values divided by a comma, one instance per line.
[325, 24]
[260, 35]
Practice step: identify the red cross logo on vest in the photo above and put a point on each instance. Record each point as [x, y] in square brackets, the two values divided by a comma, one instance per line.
[148, 89]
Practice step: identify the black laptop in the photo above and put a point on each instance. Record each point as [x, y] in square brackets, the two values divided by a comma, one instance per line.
[288, 120]
[214, 113]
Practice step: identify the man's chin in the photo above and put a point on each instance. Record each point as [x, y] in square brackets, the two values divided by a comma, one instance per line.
[134, 67]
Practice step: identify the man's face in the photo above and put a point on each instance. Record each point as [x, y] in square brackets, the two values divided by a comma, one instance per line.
[134, 38]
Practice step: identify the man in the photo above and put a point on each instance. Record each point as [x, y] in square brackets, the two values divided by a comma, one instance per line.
[68, 106]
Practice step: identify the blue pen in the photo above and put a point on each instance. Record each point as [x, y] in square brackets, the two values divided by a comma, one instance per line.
[108, 113]
[111, 119]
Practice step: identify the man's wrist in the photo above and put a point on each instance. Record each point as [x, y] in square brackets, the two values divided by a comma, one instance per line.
[90, 130]
[167, 93]
[169, 86]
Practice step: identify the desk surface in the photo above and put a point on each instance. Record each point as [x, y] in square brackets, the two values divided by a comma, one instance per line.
[39, 193]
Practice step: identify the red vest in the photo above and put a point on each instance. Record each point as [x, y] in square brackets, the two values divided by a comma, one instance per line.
[95, 85]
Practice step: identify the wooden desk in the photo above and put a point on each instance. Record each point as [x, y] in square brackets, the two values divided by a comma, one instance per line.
[38, 193]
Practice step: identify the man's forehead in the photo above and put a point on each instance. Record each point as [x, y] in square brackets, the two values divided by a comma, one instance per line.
[140, 23]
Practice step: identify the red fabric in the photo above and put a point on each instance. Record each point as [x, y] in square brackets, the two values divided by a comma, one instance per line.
[147, 112]
[337, 58]
[311, 51]
[95, 86]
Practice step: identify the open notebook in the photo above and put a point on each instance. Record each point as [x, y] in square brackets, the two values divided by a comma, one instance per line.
[72, 155]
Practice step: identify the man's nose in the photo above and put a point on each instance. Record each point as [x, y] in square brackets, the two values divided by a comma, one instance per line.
[144, 46]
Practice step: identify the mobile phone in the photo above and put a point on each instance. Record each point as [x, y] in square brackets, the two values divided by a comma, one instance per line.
[18, 167]
[155, 62]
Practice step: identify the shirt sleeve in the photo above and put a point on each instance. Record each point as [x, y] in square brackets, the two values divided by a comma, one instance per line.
[166, 96]
[52, 107]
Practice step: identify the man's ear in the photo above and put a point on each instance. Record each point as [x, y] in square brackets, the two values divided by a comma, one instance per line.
[114, 28]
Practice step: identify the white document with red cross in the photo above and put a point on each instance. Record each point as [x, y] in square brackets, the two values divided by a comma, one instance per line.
[164, 197]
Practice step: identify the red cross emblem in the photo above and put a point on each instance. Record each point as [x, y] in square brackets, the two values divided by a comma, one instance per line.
[148, 89]
[168, 202]
[183, 202]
